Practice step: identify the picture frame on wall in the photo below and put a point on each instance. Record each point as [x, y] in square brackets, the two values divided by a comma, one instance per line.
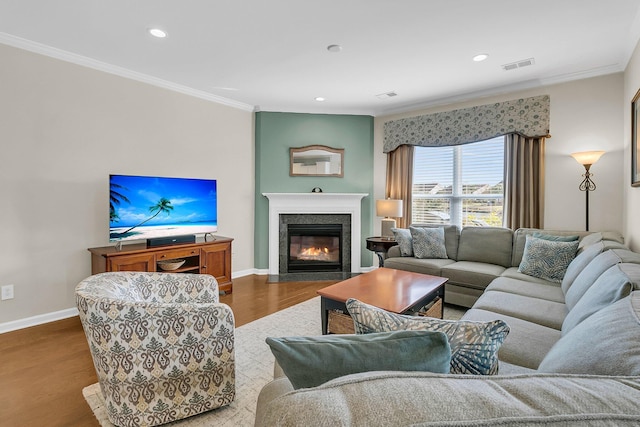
[635, 133]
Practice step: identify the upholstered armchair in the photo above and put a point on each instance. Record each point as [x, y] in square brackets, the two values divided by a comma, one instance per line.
[162, 344]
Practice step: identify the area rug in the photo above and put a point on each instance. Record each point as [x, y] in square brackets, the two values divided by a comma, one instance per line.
[254, 365]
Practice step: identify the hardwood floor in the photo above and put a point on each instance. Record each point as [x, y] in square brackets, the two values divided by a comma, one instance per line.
[43, 369]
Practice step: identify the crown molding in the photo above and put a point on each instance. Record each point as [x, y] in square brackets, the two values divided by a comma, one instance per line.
[84, 61]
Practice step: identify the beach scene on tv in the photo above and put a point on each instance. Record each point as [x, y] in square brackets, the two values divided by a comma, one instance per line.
[143, 207]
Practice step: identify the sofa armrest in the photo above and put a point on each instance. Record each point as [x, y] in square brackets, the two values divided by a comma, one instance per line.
[436, 399]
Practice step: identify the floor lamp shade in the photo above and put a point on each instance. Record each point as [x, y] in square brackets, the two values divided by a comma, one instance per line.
[388, 208]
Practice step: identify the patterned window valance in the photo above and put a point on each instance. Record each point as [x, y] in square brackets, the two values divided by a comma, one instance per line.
[527, 116]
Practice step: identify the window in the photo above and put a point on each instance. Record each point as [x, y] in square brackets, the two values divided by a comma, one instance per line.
[462, 185]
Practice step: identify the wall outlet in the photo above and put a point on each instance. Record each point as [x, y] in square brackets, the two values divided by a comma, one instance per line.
[7, 292]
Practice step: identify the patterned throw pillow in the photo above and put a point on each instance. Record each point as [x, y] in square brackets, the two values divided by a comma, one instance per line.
[428, 242]
[474, 345]
[403, 237]
[547, 259]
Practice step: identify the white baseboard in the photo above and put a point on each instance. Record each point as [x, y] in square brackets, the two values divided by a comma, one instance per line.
[37, 320]
[70, 312]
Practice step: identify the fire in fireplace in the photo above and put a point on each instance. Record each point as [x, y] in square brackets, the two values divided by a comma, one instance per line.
[314, 247]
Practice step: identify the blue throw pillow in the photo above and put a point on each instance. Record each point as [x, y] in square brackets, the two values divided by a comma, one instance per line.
[555, 238]
[547, 259]
[474, 345]
[311, 361]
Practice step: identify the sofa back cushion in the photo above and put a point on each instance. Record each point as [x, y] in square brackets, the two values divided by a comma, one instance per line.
[579, 263]
[605, 343]
[491, 245]
[593, 270]
[613, 285]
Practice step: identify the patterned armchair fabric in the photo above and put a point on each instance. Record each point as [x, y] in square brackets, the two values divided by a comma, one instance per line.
[162, 344]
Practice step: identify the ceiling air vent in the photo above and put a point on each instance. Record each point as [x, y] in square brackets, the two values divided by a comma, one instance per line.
[518, 64]
[387, 95]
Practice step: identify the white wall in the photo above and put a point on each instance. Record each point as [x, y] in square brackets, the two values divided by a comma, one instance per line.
[585, 115]
[631, 194]
[63, 129]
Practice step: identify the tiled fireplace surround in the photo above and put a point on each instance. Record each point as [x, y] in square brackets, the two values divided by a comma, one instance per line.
[287, 207]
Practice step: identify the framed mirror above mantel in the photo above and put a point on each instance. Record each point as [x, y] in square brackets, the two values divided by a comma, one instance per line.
[316, 160]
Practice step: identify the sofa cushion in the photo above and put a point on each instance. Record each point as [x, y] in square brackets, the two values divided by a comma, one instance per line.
[424, 266]
[490, 245]
[613, 285]
[527, 343]
[475, 275]
[428, 242]
[545, 290]
[579, 263]
[311, 361]
[547, 259]
[606, 343]
[543, 312]
[513, 273]
[594, 269]
[474, 345]
[404, 239]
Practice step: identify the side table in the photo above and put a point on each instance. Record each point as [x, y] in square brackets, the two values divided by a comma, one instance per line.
[380, 245]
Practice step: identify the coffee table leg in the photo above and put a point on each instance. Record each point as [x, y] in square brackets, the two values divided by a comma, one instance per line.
[324, 315]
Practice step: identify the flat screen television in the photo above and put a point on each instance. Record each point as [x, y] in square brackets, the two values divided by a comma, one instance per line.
[150, 207]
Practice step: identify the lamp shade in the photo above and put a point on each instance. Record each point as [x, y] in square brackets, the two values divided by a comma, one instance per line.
[389, 208]
[587, 157]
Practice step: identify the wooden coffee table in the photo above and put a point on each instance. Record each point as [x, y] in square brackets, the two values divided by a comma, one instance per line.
[398, 291]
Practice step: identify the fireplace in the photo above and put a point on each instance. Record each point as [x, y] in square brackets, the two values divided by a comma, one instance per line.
[314, 208]
[314, 247]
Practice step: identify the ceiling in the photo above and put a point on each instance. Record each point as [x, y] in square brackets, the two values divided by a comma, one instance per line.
[271, 55]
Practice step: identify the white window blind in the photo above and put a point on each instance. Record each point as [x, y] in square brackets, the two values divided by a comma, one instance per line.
[462, 185]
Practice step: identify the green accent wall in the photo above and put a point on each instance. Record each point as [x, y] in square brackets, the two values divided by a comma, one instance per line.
[277, 132]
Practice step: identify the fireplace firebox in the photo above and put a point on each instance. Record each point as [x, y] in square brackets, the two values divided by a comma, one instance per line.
[314, 247]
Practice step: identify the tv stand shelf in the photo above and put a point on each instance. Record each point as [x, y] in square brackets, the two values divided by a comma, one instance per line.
[213, 257]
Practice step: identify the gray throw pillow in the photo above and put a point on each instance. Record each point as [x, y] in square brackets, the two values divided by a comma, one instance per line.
[547, 259]
[311, 361]
[474, 345]
[428, 243]
[405, 242]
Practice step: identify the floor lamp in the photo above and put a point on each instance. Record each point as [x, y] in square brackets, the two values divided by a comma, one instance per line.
[388, 208]
[587, 158]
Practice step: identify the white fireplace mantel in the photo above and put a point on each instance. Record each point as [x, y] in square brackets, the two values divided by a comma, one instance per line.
[314, 203]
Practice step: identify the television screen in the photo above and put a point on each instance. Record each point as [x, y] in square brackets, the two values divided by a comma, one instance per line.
[145, 207]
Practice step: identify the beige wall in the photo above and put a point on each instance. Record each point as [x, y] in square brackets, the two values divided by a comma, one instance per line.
[63, 129]
[585, 115]
[631, 194]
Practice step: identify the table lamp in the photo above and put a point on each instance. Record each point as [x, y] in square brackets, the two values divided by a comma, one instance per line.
[389, 209]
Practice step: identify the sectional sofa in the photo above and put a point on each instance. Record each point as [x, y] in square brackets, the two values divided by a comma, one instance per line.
[571, 356]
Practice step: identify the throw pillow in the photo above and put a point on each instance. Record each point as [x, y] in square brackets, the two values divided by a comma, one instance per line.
[474, 345]
[311, 361]
[403, 237]
[428, 242]
[554, 238]
[546, 259]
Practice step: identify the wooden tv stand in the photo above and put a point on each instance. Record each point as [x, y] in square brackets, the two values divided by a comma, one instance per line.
[213, 257]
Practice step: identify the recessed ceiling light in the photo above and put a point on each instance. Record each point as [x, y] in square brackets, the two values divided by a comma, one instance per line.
[480, 57]
[157, 32]
[335, 48]
[319, 99]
